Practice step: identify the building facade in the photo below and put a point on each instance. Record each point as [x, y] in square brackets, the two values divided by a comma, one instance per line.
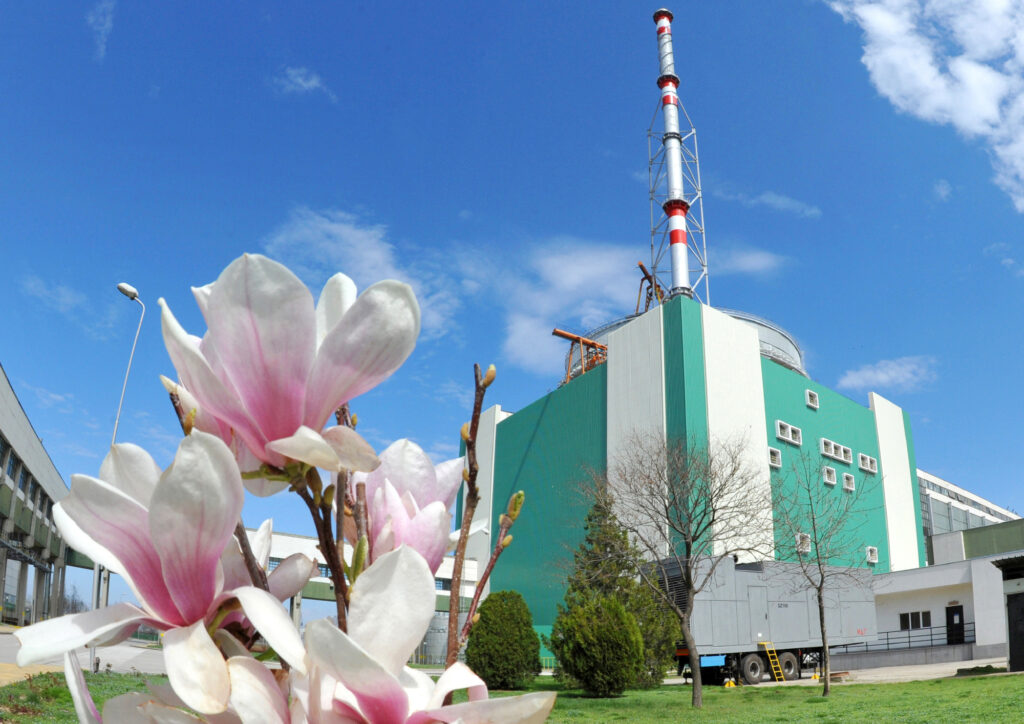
[29, 540]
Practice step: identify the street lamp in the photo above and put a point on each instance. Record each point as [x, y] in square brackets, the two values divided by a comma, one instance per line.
[100, 575]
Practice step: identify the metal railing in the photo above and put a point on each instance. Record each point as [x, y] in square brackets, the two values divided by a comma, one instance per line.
[912, 639]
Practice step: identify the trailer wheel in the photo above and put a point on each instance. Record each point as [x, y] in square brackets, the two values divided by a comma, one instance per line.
[789, 665]
[752, 669]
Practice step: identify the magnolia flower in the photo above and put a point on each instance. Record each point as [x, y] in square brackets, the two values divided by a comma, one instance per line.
[170, 535]
[408, 500]
[272, 368]
[361, 677]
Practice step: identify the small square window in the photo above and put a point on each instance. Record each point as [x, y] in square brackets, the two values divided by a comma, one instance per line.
[774, 457]
[812, 399]
[803, 543]
[829, 475]
[871, 555]
[848, 482]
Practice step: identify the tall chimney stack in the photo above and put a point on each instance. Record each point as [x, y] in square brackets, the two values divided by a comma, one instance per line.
[675, 206]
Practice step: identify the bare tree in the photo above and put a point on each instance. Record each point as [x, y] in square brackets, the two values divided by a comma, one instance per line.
[820, 511]
[688, 506]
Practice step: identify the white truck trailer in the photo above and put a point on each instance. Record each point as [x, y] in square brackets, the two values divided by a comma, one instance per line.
[746, 604]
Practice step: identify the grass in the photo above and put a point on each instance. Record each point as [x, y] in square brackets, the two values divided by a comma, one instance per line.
[979, 699]
[45, 698]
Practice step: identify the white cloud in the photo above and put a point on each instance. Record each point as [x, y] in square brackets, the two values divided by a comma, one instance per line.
[317, 244]
[942, 189]
[101, 21]
[743, 260]
[953, 62]
[458, 393]
[773, 200]
[74, 305]
[465, 215]
[48, 399]
[301, 81]
[1003, 252]
[904, 374]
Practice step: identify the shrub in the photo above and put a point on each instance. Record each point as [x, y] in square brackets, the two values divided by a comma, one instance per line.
[503, 649]
[597, 642]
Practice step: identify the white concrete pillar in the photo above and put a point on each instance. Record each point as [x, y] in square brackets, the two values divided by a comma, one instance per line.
[295, 608]
[19, 601]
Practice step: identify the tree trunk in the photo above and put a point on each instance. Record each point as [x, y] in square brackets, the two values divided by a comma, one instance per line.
[698, 688]
[826, 670]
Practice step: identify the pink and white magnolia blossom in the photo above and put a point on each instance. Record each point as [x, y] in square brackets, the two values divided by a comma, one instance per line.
[273, 368]
[360, 677]
[408, 501]
[170, 535]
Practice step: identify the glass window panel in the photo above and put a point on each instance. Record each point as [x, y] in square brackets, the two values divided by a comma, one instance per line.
[959, 518]
[926, 619]
[904, 622]
[915, 619]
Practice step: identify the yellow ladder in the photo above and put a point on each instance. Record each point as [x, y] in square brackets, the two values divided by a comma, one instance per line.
[773, 659]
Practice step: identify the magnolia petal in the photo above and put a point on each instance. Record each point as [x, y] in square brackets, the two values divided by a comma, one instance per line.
[339, 293]
[157, 713]
[196, 669]
[353, 452]
[192, 518]
[384, 542]
[261, 543]
[449, 480]
[131, 470]
[127, 708]
[82, 542]
[56, 636]
[370, 342]
[120, 524]
[408, 468]
[255, 696]
[307, 446]
[418, 687]
[84, 706]
[201, 419]
[263, 323]
[290, 576]
[381, 698]
[198, 376]
[258, 486]
[202, 297]
[397, 588]
[526, 709]
[272, 621]
[455, 677]
[235, 572]
[428, 534]
[229, 645]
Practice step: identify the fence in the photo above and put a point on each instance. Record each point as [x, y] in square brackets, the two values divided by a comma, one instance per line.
[914, 638]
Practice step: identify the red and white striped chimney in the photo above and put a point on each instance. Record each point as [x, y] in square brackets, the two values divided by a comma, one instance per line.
[675, 206]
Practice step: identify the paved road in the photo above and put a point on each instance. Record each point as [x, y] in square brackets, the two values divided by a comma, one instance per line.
[123, 658]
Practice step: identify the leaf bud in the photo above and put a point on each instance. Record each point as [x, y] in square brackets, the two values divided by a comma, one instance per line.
[489, 377]
[506, 541]
[476, 617]
[515, 504]
[354, 420]
[465, 474]
[465, 432]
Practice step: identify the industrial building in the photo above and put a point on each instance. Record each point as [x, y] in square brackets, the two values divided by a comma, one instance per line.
[29, 541]
[681, 370]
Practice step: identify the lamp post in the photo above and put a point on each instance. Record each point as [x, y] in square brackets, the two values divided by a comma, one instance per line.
[100, 575]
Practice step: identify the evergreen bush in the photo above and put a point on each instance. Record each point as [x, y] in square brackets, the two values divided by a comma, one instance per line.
[597, 642]
[503, 648]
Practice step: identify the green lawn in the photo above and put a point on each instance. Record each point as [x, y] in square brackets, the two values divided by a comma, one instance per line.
[44, 698]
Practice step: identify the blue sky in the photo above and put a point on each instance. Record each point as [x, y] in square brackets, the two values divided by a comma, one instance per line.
[863, 172]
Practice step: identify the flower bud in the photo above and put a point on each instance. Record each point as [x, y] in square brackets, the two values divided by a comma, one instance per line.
[515, 504]
[354, 419]
[489, 377]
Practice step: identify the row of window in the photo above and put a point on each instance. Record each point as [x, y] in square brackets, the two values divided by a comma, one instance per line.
[803, 547]
[915, 619]
[17, 471]
[830, 449]
[962, 499]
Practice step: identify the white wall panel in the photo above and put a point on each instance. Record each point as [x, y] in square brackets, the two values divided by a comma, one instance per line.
[899, 490]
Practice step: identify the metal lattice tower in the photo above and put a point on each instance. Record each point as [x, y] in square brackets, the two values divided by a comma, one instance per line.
[678, 246]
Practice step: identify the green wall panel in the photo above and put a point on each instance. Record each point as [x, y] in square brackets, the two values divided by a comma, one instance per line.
[548, 450]
[6, 494]
[686, 409]
[841, 420]
[991, 540]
